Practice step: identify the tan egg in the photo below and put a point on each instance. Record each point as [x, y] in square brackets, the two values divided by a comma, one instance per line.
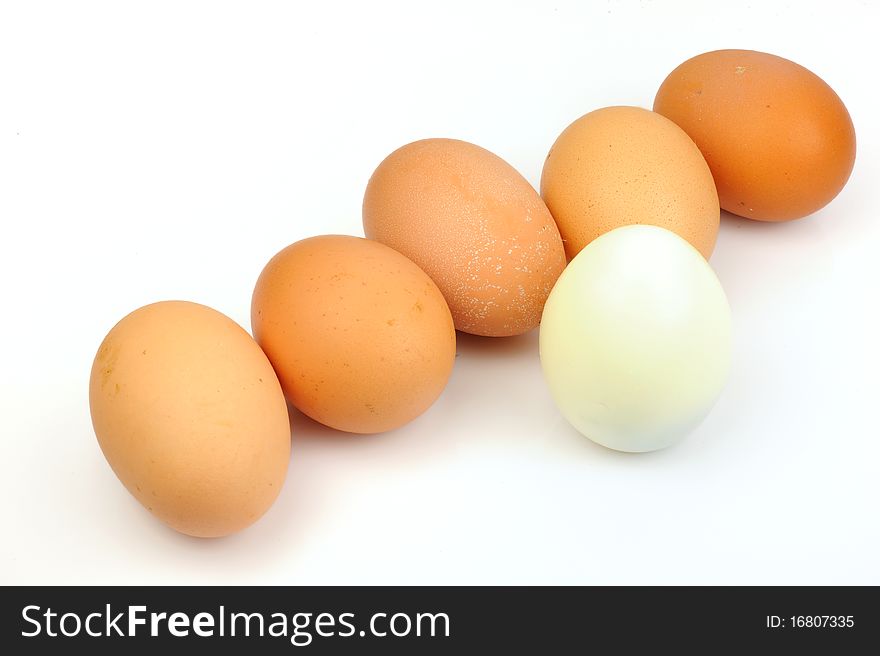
[191, 417]
[779, 141]
[475, 225]
[360, 336]
[626, 165]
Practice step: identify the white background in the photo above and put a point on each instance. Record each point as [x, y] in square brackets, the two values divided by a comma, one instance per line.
[167, 149]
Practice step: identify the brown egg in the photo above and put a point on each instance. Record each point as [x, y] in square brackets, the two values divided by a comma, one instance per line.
[779, 141]
[475, 225]
[360, 337]
[623, 165]
[191, 418]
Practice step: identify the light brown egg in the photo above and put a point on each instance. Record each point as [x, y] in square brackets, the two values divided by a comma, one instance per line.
[475, 225]
[779, 141]
[191, 417]
[626, 165]
[360, 336]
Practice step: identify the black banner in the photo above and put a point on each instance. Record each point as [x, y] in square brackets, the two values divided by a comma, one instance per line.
[418, 620]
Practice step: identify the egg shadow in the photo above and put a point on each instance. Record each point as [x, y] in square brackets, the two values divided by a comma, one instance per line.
[422, 440]
[737, 222]
[468, 345]
[591, 452]
[305, 429]
[806, 231]
[759, 261]
[491, 370]
[308, 434]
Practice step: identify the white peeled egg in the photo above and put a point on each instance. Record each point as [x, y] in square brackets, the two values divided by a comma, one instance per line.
[635, 339]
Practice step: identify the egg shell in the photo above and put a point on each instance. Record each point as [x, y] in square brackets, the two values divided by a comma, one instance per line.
[475, 225]
[360, 336]
[635, 339]
[619, 166]
[191, 417]
[779, 141]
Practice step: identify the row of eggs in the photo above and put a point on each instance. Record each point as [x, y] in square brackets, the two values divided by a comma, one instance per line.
[359, 334]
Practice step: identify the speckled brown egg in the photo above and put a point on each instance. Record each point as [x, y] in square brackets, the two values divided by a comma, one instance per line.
[361, 338]
[626, 165]
[778, 139]
[475, 225]
[191, 417]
